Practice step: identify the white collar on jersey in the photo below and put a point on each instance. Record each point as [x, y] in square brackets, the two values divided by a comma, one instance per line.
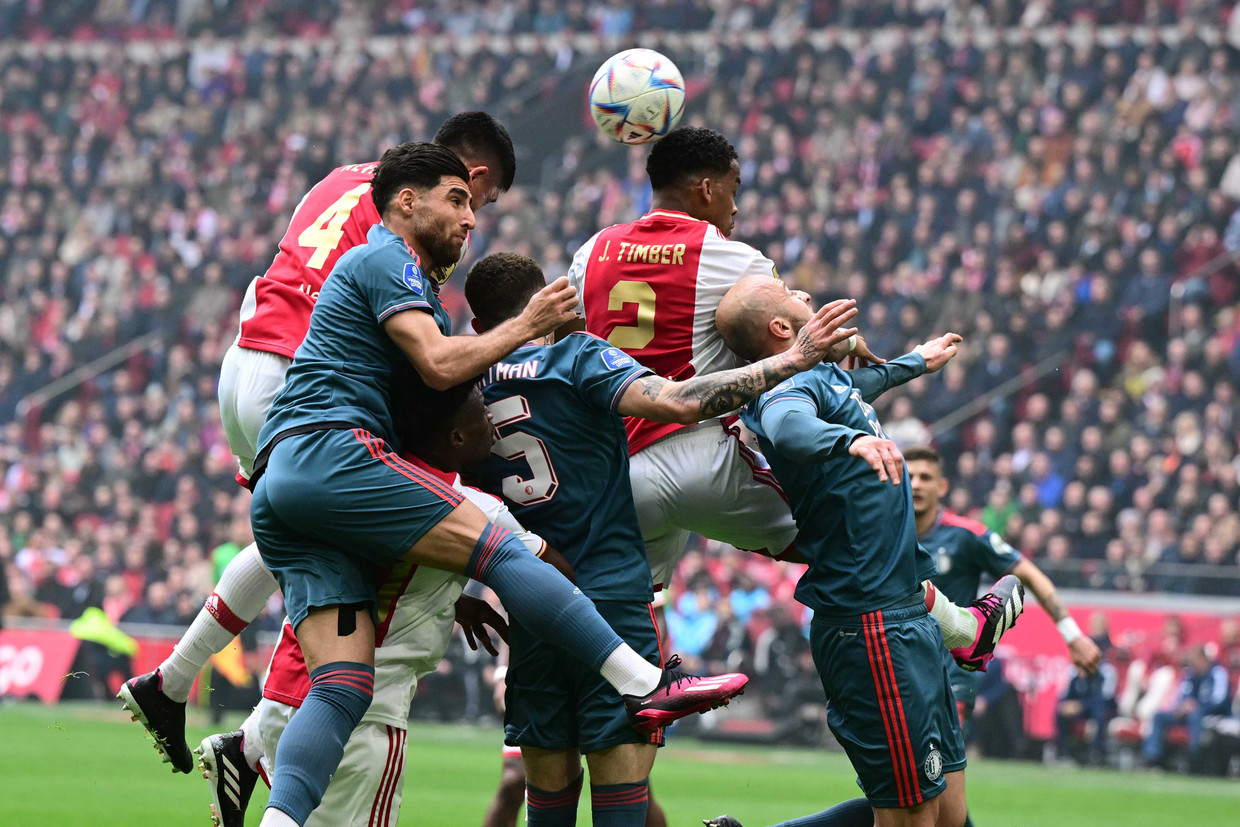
[684, 216]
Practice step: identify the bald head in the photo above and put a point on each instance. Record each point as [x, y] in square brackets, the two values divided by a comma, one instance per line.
[759, 317]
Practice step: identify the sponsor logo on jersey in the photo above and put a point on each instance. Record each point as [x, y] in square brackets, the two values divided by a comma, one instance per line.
[786, 385]
[413, 278]
[614, 359]
[933, 765]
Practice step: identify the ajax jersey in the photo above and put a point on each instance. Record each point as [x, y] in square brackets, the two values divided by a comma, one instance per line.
[651, 288]
[332, 218]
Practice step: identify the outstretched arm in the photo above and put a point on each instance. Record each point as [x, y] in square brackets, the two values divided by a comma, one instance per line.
[875, 380]
[1085, 653]
[793, 426]
[444, 361]
[703, 397]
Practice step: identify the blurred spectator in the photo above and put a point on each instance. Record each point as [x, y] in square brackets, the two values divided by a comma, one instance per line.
[1065, 205]
[1204, 690]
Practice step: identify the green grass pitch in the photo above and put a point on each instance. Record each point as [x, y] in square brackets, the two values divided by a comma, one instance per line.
[88, 765]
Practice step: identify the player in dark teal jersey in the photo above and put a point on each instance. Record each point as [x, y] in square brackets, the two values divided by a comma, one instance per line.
[333, 500]
[561, 463]
[964, 551]
[877, 650]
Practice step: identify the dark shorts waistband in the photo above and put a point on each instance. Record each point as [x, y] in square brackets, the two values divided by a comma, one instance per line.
[907, 609]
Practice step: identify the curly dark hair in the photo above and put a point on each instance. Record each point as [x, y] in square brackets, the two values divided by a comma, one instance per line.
[500, 286]
[481, 136]
[687, 153]
[416, 164]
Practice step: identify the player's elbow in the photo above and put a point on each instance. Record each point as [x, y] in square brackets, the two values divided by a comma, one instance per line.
[438, 376]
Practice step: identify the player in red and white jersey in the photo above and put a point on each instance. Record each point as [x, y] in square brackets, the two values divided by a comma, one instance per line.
[651, 288]
[417, 607]
[332, 218]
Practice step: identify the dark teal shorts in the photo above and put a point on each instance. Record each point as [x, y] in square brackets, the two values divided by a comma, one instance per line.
[556, 702]
[335, 508]
[890, 702]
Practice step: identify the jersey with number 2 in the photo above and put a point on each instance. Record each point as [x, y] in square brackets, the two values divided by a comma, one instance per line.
[561, 461]
[651, 288]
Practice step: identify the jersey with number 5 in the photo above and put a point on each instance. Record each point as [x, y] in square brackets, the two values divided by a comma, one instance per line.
[651, 288]
[561, 462]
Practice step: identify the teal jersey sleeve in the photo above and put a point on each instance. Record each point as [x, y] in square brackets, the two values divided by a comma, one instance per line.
[394, 279]
[857, 533]
[875, 380]
[796, 417]
[602, 373]
[347, 367]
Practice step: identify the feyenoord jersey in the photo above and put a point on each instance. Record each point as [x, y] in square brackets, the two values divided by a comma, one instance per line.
[416, 609]
[332, 218]
[561, 462]
[651, 288]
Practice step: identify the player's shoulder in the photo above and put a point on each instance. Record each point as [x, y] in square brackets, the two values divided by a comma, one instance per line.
[582, 344]
[949, 520]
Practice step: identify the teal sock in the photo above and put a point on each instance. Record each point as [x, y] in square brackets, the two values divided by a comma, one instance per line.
[540, 598]
[312, 744]
[552, 809]
[620, 805]
[855, 812]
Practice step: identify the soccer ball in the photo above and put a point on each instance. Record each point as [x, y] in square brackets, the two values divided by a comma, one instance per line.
[637, 96]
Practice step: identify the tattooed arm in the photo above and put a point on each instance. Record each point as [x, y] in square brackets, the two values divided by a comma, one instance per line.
[703, 397]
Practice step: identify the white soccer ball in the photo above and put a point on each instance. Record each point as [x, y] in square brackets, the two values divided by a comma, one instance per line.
[637, 96]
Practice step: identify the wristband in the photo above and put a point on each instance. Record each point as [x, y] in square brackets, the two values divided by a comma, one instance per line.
[852, 343]
[1068, 630]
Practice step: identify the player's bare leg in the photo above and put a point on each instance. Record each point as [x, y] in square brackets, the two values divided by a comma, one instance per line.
[509, 796]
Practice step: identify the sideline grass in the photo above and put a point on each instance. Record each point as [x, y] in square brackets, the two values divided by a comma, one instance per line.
[88, 765]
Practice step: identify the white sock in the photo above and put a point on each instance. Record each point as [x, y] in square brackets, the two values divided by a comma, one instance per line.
[242, 592]
[959, 625]
[277, 818]
[629, 672]
[251, 744]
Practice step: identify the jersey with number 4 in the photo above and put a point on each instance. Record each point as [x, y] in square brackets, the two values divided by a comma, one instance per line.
[651, 288]
[561, 461]
[332, 218]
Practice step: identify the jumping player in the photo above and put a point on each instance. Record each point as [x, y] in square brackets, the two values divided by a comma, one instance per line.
[651, 289]
[562, 463]
[332, 499]
[332, 218]
[877, 651]
[418, 605]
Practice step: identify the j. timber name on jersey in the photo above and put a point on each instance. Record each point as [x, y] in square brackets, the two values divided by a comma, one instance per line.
[645, 253]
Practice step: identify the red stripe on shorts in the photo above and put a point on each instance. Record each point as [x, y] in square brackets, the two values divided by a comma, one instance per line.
[886, 708]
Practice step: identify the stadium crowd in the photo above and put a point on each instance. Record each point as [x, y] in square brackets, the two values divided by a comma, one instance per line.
[1064, 203]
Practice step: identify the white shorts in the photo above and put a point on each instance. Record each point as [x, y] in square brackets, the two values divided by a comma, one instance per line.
[250, 380]
[704, 480]
[366, 789]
